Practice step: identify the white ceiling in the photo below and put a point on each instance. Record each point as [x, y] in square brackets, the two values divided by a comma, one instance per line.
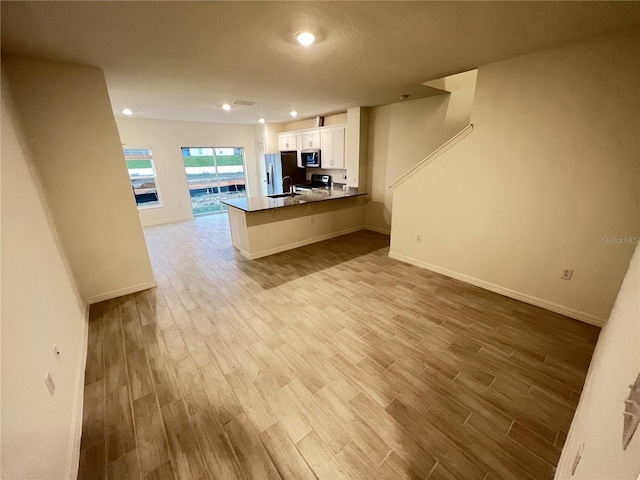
[183, 60]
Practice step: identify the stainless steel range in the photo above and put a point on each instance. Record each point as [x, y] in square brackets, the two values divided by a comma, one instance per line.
[317, 181]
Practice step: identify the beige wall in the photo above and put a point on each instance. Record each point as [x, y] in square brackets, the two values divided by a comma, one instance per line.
[40, 308]
[550, 169]
[403, 134]
[66, 120]
[598, 420]
[166, 137]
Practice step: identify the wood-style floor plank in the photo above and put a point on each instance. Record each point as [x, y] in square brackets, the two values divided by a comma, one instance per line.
[253, 457]
[284, 454]
[332, 361]
[150, 437]
[217, 451]
[183, 446]
[119, 419]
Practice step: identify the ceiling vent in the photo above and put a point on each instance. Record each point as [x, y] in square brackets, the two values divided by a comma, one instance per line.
[244, 103]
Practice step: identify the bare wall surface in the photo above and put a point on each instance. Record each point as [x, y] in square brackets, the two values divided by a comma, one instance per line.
[403, 134]
[166, 138]
[598, 421]
[40, 307]
[548, 180]
[67, 123]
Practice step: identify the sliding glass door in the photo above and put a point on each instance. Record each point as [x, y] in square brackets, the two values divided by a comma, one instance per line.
[213, 174]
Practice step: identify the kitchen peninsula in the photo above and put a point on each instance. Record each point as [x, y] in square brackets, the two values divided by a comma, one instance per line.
[262, 226]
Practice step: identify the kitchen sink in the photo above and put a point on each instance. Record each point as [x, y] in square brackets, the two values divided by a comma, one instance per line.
[283, 195]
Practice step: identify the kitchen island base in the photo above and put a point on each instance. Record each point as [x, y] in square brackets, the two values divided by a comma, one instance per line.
[265, 232]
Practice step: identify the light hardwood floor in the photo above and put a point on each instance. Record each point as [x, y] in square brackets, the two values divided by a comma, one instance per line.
[330, 361]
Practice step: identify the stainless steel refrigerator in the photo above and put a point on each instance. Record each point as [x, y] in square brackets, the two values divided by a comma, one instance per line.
[280, 165]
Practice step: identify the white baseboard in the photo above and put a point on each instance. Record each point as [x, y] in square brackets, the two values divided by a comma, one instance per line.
[167, 220]
[75, 435]
[302, 243]
[507, 292]
[384, 231]
[122, 291]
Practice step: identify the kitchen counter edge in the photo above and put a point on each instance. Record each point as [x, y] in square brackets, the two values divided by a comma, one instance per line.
[258, 204]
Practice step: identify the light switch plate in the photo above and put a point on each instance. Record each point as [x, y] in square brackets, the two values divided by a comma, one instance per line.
[48, 381]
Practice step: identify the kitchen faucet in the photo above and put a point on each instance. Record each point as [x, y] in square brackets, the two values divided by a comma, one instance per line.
[291, 190]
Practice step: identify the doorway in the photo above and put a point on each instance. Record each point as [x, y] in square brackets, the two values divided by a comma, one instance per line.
[214, 174]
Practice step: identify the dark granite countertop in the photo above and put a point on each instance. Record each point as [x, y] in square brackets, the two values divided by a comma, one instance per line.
[256, 204]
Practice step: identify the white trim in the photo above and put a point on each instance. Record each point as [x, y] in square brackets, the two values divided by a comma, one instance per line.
[433, 155]
[302, 243]
[75, 435]
[122, 291]
[384, 231]
[167, 220]
[539, 302]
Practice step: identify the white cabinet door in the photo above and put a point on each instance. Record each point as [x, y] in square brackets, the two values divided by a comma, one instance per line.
[287, 141]
[333, 148]
[326, 157]
[282, 141]
[298, 153]
[311, 139]
[337, 144]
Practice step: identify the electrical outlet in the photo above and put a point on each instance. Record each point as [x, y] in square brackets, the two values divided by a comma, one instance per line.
[419, 238]
[567, 273]
[56, 352]
[48, 381]
[311, 220]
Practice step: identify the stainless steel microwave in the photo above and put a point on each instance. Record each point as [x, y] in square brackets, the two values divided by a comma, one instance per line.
[310, 158]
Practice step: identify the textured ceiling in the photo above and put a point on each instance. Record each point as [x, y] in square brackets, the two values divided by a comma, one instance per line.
[183, 60]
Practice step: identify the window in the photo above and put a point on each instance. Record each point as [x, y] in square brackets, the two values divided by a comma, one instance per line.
[214, 174]
[142, 173]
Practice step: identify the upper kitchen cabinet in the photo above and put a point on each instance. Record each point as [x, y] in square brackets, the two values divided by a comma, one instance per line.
[287, 142]
[310, 139]
[299, 142]
[333, 147]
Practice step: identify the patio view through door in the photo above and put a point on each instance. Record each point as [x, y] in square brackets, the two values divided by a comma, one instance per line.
[213, 174]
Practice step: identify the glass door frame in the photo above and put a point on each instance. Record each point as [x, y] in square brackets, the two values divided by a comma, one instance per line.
[217, 176]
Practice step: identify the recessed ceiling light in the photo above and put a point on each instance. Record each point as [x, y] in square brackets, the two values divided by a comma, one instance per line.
[305, 38]
[261, 120]
[226, 107]
[127, 111]
[294, 113]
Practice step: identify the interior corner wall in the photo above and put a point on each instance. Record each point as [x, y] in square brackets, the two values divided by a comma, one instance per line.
[548, 180]
[403, 134]
[65, 118]
[596, 430]
[40, 434]
[166, 138]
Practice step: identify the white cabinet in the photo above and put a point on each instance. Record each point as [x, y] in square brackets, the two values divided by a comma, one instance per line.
[310, 139]
[333, 147]
[287, 141]
[298, 153]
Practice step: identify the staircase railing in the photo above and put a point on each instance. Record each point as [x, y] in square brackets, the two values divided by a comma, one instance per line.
[433, 155]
